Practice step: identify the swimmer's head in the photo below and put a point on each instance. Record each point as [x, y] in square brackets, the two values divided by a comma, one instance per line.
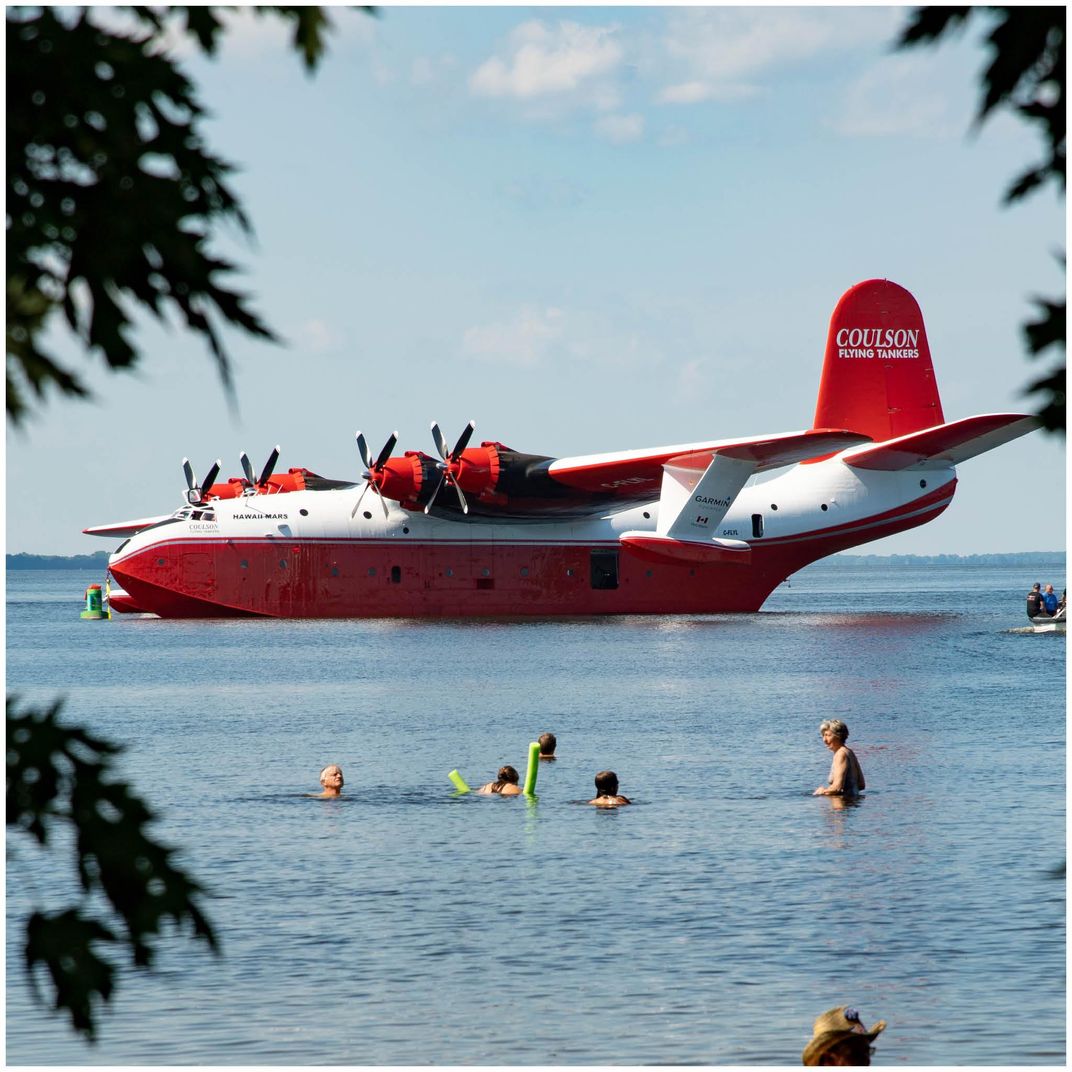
[331, 776]
[836, 727]
[607, 783]
[547, 743]
[508, 774]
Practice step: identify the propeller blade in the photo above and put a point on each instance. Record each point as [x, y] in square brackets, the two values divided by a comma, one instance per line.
[383, 502]
[461, 497]
[386, 452]
[463, 441]
[440, 442]
[247, 467]
[269, 465]
[210, 477]
[353, 512]
[431, 501]
[188, 469]
[362, 450]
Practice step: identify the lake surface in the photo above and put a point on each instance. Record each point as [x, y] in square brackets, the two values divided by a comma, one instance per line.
[708, 924]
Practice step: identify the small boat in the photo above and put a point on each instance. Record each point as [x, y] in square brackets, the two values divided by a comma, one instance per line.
[1043, 623]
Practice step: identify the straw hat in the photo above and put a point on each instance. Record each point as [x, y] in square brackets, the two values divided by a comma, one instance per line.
[834, 1026]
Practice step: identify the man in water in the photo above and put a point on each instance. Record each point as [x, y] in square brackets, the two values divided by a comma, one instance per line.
[607, 795]
[1034, 601]
[332, 780]
[846, 777]
[547, 742]
[506, 784]
[840, 1038]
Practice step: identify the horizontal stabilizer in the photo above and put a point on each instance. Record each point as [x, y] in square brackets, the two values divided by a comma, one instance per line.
[664, 549]
[123, 529]
[945, 444]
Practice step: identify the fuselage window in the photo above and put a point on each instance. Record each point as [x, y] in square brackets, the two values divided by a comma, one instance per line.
[396, 575]
[757, 525]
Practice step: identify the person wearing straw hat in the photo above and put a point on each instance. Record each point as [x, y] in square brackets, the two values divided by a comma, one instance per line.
[840, 1038]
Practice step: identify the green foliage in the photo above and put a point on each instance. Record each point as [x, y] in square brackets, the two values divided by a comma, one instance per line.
[61, 775]
[1027, 75]
[112, 197]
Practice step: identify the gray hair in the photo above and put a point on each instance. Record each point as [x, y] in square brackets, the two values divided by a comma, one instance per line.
[836, 727]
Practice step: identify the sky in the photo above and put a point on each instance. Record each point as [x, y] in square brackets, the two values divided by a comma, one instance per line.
[589, 229]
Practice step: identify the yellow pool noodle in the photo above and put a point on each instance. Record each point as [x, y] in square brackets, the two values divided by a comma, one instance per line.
[459, 782]
[534, 766]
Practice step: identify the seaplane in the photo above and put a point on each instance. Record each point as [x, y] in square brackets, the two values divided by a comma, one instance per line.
[480, 531]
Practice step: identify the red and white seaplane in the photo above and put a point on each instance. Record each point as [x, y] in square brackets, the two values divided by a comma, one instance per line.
[481, 531]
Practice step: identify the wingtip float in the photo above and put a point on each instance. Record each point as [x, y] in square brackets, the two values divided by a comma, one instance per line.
[488, 530]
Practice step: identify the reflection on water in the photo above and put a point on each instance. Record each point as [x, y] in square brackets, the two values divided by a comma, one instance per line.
[403, 924]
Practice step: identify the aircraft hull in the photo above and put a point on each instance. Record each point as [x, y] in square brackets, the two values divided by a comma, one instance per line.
[284, 577]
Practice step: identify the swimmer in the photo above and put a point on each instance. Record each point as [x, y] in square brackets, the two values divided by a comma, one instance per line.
[840, 1038]
[332, 780]
[607, 795]
[846, 776]
[505, 786]
[547, 742]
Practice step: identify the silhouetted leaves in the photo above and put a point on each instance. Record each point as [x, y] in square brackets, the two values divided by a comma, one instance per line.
[1026, 74]
[112, 196]
[62, 775]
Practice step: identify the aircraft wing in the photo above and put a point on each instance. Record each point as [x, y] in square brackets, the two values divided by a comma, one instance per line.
[950, 443]
[123, 529]
[627, 474]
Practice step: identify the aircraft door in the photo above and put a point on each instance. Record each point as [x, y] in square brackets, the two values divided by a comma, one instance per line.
[604, 569]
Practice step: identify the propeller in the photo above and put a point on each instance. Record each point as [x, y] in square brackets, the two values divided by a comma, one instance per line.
[373, 468]
[449, 460]
[266, 472]
[269, 465]
[195, 493]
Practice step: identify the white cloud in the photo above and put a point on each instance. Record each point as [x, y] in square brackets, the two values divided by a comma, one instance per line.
[432, 70]
[697, 91]
[619, 129]
[724, 53]
[692, 379]
[563, 62]
[527, 339]
[318, 336]
[898, 97]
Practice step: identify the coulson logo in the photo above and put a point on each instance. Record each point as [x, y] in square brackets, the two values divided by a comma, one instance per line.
[884, 343]
[261, 517]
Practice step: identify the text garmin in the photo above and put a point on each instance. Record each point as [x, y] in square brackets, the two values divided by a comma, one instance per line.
[488, 530]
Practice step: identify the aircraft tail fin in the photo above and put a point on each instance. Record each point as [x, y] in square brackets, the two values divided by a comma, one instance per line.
[877, 373]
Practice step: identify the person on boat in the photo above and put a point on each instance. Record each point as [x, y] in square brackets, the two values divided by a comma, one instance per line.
[607, 795]
[1034, 601]
[1061, 602]
[506, 784]
[840, 1038]
[547, 743]
[332, 780]
[846, 777]
[1049, 600]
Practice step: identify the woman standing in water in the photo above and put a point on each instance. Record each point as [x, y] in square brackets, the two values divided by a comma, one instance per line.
[846, 777]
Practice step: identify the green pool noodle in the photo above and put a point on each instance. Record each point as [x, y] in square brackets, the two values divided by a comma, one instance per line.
[459, 782]
[534, 766]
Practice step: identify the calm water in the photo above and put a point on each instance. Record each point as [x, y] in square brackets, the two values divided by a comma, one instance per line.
[708, 924]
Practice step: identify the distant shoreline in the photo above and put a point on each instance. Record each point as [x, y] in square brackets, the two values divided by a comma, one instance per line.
[99, 560]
